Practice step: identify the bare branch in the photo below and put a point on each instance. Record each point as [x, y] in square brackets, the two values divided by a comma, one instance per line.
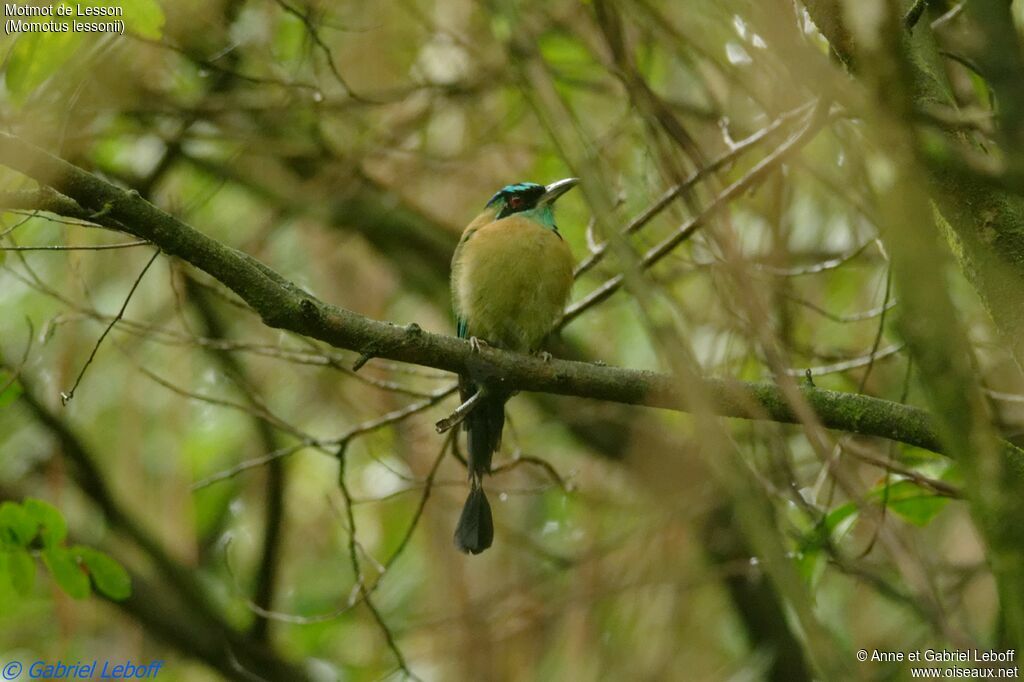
[65, 397]
[284, 305]
[757, 174]
[461, 412]
[598, 251]
[100, 247]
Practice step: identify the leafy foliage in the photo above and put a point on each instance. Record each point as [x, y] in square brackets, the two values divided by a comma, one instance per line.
[36, 57]
[37, 527]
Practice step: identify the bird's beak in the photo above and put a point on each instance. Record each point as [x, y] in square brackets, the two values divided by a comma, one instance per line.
[555, 190]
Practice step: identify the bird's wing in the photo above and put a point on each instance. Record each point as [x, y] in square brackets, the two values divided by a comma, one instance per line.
[485, 218]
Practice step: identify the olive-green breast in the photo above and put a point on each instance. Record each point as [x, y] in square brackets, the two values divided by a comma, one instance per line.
[511, 279]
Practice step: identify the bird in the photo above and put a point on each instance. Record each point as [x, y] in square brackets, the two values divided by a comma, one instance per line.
[511, 276]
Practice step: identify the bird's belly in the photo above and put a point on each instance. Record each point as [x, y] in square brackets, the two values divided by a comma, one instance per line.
[520, 283]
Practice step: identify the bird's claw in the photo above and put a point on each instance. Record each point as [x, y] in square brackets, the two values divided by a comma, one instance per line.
[544, 355]
[477, 343]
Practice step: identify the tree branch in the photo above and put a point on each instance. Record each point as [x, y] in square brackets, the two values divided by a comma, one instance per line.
[283, 305]
[274, 499]
[158, 604]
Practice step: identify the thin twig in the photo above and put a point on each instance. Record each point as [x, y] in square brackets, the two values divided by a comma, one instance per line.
[598, 251]
[846, 365]
[913, 14]
[66, 397]
[286, 306]
[878, 333]
[396, 415]
[252, 464]
[358, 571]
[252, 410]
[535, 461]
[427, 487]
[461, 412]
[322, 357]
[815, 268]
[933, 484]
[18, 224]
[101, 247]
[15, 372]
[890, 454]
[208, 64]
[1004, 397]
[753, 177]
[949, 16]
[849, 317]
[314, 34]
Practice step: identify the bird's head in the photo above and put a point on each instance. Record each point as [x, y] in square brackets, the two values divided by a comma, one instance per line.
[529, 196]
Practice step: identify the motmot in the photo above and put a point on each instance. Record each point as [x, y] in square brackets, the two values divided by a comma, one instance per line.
[511, 276]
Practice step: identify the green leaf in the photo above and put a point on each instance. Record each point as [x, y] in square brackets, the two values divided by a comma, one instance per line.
[289, 38]
[109, 576]
[34, 58]
[840, 519]
[66, 570]
[17, 527]
[811, 560]
[811, 566]
[20, 569]
[53, 528]
[144, 18]
[953, 474]
[9, 394]
[910, 501]
[916, 458]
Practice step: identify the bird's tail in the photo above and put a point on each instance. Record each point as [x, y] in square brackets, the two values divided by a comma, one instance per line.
[475, 531]
[483, 425]
[483, 432]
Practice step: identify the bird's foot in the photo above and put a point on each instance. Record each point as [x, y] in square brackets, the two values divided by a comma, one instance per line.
[544, 355]
[477, 343]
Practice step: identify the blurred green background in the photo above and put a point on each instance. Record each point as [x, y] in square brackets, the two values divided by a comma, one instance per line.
[346, 144]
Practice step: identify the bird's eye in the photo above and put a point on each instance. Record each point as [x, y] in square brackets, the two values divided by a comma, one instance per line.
[515, 202]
